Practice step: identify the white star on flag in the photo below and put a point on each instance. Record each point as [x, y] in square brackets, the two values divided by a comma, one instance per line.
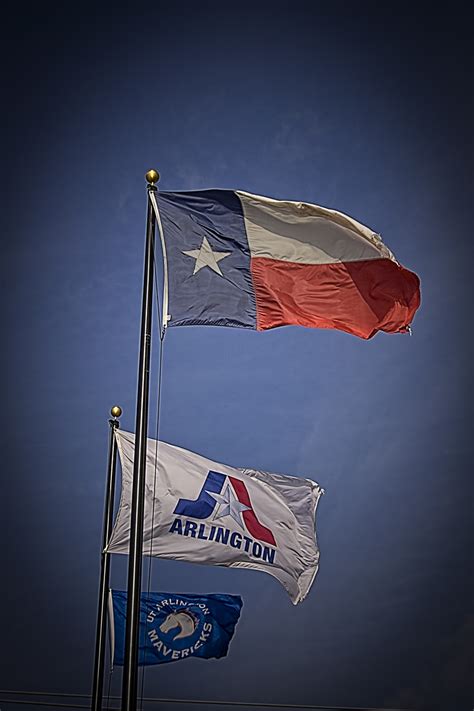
[205, 257]
[229, 505]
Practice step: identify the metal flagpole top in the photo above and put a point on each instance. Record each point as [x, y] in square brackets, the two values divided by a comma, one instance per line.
[152, 177]
[116, 411]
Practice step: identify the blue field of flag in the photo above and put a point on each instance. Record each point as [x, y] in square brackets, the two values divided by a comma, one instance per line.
[175, 627]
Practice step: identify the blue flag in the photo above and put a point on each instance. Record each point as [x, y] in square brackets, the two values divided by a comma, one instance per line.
[174, 627]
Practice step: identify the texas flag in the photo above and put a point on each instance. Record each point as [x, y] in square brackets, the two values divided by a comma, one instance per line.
[237, 259]
[202, 511]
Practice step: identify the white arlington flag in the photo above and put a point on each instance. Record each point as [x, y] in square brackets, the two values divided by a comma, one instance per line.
[202, 511]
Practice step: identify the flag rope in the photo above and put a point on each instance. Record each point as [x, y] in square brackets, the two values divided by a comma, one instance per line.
[157, 425]
[165, 315]
[111, 671]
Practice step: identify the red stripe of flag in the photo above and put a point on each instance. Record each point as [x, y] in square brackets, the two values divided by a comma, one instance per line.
[255, 528]
[360, 297]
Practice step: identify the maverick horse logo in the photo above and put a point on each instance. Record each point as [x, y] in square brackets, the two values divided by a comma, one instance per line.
[178, 631]
[230, 500]
[184, 623]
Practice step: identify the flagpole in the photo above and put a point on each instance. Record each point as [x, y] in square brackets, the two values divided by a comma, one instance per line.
[100, 639]
[130, 669]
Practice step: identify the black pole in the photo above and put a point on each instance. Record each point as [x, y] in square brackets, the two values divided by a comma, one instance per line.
[130, 669]
[100, 638]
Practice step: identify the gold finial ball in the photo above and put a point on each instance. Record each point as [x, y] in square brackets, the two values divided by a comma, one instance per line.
[152, 177]
[116, 411]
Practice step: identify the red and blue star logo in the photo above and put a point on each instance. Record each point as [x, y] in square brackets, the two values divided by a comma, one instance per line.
[223, 495]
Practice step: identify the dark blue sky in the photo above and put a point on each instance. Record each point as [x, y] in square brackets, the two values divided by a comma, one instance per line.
[362, 109]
